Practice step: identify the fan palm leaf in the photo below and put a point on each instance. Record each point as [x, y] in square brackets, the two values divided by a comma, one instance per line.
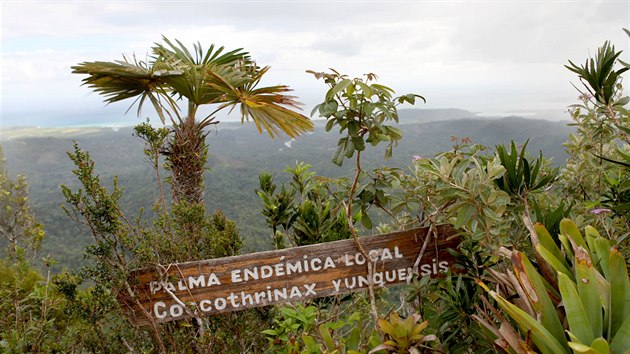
[196, 67]
[124, 79]
[268, 107]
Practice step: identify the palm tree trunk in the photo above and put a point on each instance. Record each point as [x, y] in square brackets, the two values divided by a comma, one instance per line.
[187, 160]
[187, 157]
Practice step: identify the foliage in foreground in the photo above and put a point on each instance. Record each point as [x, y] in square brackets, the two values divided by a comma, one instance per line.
[573, 297]
[581, 289]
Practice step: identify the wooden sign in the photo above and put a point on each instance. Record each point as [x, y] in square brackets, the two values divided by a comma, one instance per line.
[266, 278]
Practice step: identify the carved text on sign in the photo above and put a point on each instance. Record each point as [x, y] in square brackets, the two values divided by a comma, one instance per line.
[300, 273]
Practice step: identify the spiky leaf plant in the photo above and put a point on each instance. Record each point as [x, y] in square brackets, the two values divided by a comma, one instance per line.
[583, 308]
[403, 335]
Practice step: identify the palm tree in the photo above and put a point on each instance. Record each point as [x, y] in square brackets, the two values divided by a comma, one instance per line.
[172, 75]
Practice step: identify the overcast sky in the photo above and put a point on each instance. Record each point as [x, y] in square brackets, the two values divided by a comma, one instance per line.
[483, 56]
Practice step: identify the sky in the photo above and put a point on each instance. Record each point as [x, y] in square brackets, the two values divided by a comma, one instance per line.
[490, 57]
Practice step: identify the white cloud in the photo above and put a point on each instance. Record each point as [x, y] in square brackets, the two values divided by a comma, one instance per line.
[479, 55]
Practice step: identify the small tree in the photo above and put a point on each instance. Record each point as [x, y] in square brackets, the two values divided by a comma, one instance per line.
[214, 77]
[17, 222]
[362, 110]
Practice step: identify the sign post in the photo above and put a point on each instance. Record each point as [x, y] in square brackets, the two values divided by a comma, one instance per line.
[259, 279]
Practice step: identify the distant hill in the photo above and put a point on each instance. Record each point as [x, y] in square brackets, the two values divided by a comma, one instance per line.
[414, 115]
[237, 155]
[419, 115]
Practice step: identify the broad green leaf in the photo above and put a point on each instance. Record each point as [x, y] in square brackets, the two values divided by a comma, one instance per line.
[586, 282]
[326, 337]
[542, 338]
[385, 326]
[399, 332]
[287, 312]
[621, 341]
[601, 345]
[309, 342]
[340, 152]
[328, 108]
[384, 89]
[602, 249]
[353, 339]
[619, 291]
[340, 86]
[350, 148]
[535, 288]
[353, 128]
[270, 332]
[335, 325]
[365, 89]
[576, 315]
[549, 244]
[603, 288]
[366, 221]
[463, 215]
[358, 144]
[622, 101]
[350, 90]
[566, 246]
[582, 348]
[393, 132]
[411, 98]
[591, 232]
[368, 108]
[329, 125]
[590, 241]
[555, 263]
[568, 228]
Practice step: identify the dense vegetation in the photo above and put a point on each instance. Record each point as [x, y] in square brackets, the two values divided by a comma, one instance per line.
[237, 155]
[544, 252]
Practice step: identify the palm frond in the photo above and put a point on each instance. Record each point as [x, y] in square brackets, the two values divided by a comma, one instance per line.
[121, 80]
[268, 106]
[227, 78]
[198, 68]
[276, 119]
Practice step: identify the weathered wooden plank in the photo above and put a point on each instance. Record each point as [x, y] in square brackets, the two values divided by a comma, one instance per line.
[265, 278]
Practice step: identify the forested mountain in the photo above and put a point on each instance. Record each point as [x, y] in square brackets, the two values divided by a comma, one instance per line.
[465, 241]
[237, 155]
